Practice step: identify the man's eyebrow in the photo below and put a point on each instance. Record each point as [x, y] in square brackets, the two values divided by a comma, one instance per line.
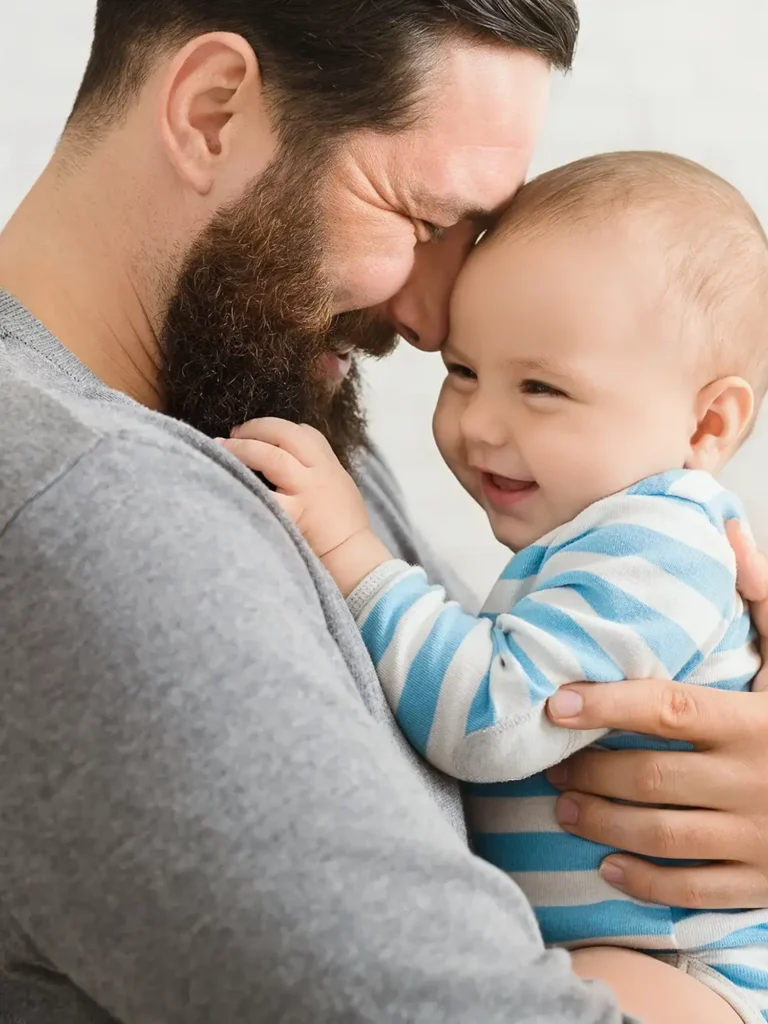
[451, 211]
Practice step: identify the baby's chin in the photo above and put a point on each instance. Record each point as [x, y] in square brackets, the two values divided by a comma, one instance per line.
[516, 533]
[519, 528]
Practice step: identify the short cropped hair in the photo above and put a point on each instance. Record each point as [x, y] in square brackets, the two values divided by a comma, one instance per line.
[336, 65]
[714, 248]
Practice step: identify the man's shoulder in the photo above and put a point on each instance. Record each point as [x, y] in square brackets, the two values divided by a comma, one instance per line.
[47, 433]
[105, 493]
[40, 439]
[115, 510]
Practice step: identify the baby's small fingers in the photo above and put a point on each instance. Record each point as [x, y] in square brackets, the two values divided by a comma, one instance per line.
[279, 467]
[302, 441]
[290, 504]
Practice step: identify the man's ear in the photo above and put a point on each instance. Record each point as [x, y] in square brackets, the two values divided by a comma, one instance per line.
[724, 411]
[212, 84]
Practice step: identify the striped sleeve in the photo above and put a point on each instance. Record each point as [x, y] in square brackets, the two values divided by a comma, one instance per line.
[646, 591]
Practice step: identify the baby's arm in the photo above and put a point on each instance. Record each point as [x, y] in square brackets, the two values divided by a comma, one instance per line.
[643, 592]
[618, 600]
[316, 492]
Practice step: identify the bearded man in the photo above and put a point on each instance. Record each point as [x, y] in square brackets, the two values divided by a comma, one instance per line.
[207, 812]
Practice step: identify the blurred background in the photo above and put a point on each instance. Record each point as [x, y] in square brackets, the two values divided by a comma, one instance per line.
[689, 76]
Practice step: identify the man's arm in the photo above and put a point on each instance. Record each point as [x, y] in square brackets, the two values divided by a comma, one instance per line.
[200, 820]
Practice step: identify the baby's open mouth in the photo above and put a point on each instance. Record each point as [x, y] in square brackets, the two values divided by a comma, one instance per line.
[505, 484]
[504, 492]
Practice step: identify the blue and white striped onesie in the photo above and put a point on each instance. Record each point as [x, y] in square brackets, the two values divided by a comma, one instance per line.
[639, 585]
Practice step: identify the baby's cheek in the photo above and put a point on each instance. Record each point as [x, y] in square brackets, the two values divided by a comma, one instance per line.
[445, 425]
[592, 467]
[568, 467]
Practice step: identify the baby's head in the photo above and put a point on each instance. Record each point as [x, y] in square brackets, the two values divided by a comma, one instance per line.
[613, 326]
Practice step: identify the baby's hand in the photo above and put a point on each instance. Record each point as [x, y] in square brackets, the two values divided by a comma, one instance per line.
[313, 487]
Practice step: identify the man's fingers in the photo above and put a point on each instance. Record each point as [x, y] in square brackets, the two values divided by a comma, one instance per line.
[704, 716]
[655, 832]
[751, 564]
[760, 682]
[303, 442]
[651, 777]
[713, 887]
[278, 466]
[752, 581]
[759, 612]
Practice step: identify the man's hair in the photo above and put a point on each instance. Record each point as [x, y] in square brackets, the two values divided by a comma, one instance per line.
[710, 244]
[335, 64]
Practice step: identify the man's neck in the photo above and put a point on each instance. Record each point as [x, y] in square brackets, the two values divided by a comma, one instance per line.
[66, 259]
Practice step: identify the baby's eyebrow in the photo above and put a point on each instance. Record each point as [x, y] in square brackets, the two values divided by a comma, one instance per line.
[541, 364]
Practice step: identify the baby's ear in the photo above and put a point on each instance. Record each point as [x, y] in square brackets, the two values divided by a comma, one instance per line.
[724, 411]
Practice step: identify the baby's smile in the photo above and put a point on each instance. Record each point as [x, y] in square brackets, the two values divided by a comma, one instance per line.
[504, 494]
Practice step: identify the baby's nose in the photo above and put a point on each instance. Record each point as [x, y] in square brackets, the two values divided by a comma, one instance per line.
[482, 424]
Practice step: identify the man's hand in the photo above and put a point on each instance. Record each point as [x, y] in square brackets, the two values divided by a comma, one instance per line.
[316, 492]
[719, 792]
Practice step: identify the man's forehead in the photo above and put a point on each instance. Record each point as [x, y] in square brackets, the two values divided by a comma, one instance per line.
[469, 152]
[482, 86]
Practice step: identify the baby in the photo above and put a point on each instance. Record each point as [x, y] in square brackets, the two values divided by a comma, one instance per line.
[608, 348]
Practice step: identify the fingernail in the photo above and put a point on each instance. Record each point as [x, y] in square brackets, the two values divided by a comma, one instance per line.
[220, 440]
[566, 704]
[558, 775]
[567, 812]
[612, 872]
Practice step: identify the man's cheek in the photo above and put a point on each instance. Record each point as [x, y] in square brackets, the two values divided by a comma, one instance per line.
[370, 279]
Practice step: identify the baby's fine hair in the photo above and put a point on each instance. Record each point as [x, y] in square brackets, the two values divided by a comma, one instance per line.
[714, 249]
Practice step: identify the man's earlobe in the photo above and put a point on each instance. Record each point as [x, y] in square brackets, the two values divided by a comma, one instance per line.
[724, 411]
[203, 91]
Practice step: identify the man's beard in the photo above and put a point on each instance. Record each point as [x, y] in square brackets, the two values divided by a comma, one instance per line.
[249, 320]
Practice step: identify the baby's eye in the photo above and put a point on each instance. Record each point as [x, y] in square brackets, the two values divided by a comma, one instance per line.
[539, 389]
[463, 372]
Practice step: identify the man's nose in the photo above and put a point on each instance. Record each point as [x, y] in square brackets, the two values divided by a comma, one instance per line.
[420, 310]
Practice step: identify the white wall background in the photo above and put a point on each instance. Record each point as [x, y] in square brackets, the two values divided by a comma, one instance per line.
[684, 75]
